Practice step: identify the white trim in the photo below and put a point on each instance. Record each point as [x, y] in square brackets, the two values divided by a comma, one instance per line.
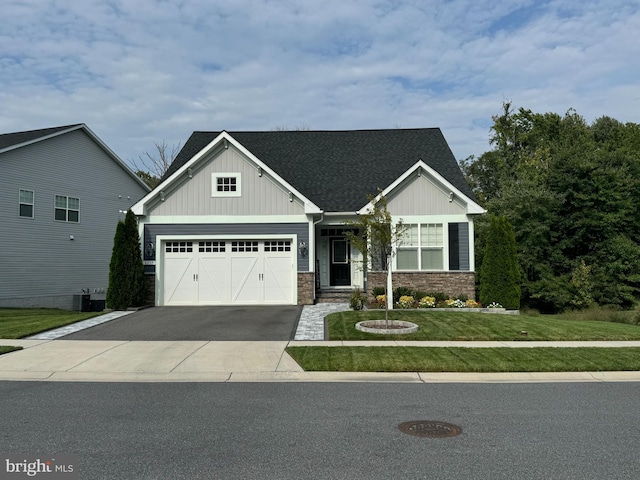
[182, 219]
[472, 207]
[225, 139]
[159, 273]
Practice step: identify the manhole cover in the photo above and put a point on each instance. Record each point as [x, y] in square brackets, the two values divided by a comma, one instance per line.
[430, 428]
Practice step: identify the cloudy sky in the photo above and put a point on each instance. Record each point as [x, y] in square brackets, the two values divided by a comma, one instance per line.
[142, 71]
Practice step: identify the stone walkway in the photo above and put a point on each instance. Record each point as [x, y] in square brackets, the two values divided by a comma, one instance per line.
[311, 324]
[76, 327]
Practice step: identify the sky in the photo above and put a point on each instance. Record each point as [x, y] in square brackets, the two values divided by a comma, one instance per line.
[138, 72]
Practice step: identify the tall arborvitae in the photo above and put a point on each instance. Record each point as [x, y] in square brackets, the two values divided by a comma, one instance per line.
[126, 271]
[500, 273]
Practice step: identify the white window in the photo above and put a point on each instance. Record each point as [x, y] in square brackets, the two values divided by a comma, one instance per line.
[421, 247]
[27, 202]
[226, 184]
[67, 209]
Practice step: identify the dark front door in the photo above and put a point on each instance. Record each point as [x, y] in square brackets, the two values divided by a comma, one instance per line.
[340, 263]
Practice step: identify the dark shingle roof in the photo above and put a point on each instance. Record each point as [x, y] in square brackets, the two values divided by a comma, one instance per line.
[336, 170]
[17, 138]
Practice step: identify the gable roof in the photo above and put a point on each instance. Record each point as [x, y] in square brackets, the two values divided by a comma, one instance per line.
[11, 141]
[336, 170]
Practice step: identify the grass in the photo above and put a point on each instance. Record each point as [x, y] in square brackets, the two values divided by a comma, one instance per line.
[452, 325]
[4, 350]
[22, 322]
[426, 359]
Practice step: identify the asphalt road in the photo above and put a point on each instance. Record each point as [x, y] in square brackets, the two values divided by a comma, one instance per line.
[333, 431]
[249, 323]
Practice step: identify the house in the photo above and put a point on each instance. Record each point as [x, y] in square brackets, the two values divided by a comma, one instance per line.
[62, 192]
[259, 217]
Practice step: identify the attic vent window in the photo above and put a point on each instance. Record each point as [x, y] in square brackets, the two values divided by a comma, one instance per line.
[226, 185]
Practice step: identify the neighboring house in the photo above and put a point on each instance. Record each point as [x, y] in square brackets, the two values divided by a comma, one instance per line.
[62, 192]
[258, 217]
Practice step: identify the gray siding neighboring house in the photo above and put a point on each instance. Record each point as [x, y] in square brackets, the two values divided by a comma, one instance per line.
[259, 217]
[62, 191]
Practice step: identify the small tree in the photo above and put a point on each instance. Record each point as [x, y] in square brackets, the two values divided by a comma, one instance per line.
[375, 240]
[126, 271]
[500, 272]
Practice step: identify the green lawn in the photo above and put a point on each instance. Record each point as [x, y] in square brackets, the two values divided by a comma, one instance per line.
[22, 322]
[9, 349]
[452, 325]
[427, 359]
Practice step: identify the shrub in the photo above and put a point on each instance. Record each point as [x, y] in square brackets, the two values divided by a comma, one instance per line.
[427, 302]
[405, 301]
[418, 294]
[500, 272]
[377, 291]
[357, 300]
[380, 302]
[401, 292]
[439, 296]
[126, 271]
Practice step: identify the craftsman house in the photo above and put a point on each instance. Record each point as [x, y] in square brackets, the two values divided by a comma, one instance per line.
[62, 192]
[259, 217]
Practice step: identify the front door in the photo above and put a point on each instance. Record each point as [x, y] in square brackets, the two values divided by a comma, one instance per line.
[340, 263]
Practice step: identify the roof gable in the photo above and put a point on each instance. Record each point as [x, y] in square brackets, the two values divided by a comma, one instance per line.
[336, 170]
[11, 141]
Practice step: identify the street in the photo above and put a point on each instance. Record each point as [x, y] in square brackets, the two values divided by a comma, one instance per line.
[326, 430]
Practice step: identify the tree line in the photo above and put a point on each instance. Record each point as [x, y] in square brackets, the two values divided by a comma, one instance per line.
[571, 192]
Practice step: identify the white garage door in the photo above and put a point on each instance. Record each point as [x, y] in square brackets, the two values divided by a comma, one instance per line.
[228, 272]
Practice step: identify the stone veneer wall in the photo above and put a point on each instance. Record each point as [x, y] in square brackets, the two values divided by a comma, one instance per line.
[306, 288]
[449, 283]
[150, 289]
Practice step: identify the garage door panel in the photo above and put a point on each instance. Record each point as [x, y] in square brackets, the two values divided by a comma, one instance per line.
[213, 284]
[246, 282]
[179, 281]
[277, 280]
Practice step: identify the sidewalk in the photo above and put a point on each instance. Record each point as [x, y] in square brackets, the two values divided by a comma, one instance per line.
[45, 359]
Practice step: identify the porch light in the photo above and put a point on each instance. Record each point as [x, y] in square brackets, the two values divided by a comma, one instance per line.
[150, 250]
[302, 248]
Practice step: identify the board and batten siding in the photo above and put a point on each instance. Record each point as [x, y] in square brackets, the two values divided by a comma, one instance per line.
[39, 264]
[228, 230]
[421, 195]
[260, 194]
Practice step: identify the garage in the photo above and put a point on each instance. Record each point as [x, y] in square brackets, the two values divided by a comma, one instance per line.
[227, 272]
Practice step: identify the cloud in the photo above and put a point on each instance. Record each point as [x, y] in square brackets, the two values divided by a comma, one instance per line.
[153, 70]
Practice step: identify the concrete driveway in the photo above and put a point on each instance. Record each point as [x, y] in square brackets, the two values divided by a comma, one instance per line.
[248, 323]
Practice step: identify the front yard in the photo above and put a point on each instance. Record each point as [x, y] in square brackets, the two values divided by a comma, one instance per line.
[461, 326]
[22, 322]
[454, 325]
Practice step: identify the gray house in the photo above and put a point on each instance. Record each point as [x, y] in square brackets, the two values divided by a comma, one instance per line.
[62, 192]
[259, 217]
